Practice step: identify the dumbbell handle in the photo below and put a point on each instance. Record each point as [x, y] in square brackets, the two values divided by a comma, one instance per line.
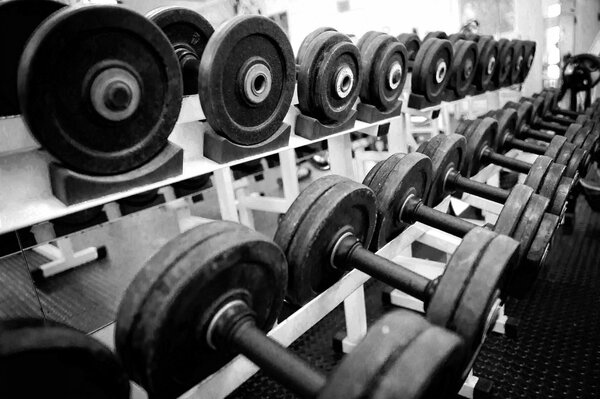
[526, 146]
[566, 112]
[517, 165]
[454, 180]
[351, 253]
[562, 120]
[538, 134]
[541, 124]
[415, 210]
[236, 330]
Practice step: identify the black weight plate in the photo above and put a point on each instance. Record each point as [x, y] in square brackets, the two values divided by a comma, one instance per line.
[552, 180]
[591, 142]
[555, 146]
[308, 40]
[537, 173]
[565, 154]
[578, 163]
[558, 202]
[463, 67]
[581, 135]
[501, 76]
[438, 34]
[487, 62]
[167, 308]
[524, 112]
[321, 93]
[347, 206]
[412, 43]
[245, 106]
[431, 70]
[518, 58]
[462, 127]
[400, 176]
[401, 355]
[448, 296]
[572, 132]
[513, 209]
[478, 139]
[507, 126]
[447, 152]
[64, 67]
[528, 56]
[69, 363]
[537, 105]
[549, 101]
[457, 36]
[542, 243]
[582, 119]
[18, 20]
[188, 32]
[384, 63]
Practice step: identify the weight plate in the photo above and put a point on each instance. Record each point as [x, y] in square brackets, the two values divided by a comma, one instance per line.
[513, 208]
[166, 310]
[578, 163]
[452, 284]
[537, 173]
[304, 46]
[447, 152]
[247, 77]
[401, 355]
[580, 135]
[565, 154]
[518, 58]
[462, 127]
[581, 119]
[431, 70]
[552, 180]
[383, 71]
[463, 67]
[572, 132]
[71, 364]
[558, 202]
[555, 146]
[507, 127]
[457, 36]
[329, 77]
[412, 43]
[366, 38]
[524, 277]
[524, 113]
[110, 111]
[188, 33]
[347, 206]
[529, 48]
[18, 20]
[591, 143]
[478, 140]
[537, 106]
[438, 34]
[501, 77]
[486, 66]
[542, 242]
[399, 177]
[548, 102]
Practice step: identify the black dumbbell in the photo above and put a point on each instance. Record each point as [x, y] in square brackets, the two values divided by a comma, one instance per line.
[536, 119]
[71, 364]
[412, 42]
[213, 292]
[401, 184]
[328, 229]
[548, 99]
[544, 176]
[551, 98]
[448, 153]
[487, 61]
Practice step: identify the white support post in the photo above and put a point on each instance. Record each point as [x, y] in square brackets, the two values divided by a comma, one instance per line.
[223, 179]
[289, 177]
[397, 137]
[112, 211]
[62, 257]
[245, 213]
[468, 388]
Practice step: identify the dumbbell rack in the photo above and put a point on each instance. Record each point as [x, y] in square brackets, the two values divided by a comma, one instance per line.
[27, 201]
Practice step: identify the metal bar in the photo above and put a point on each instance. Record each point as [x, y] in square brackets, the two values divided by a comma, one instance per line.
[507, 162]
[496, 194]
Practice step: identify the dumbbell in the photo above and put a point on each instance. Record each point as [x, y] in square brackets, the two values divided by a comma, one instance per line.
[327, 231]
[412, 42]
[401, 184]
[214, 291]
[46, 359]
[544, 176]
[448, 153]
[536, 116]
[551, 98]
[487, 50]
[584, 136]
[576, 160]
[188, 33]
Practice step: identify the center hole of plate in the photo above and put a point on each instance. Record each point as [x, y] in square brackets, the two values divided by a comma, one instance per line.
[115, 94]
[395, 75]
[257, 83]
[344, 79]
[491, 65]
[440, 73]
[468, 70]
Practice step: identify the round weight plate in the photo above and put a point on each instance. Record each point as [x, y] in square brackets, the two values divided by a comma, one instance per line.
[578, 163]
[367, 37]
[346, 207]
[247, 79]
[463, 67]
[431, 70]
[565, 154]
[399, 177]
[552, 180]
[529, 48]
[384, 61]
[457, 36]
[591, 142]
[537, 106]
[462, 127]
[572, 132]
[18, 20]
[188, 32]
[71, 364]
[537, 173]
[507, 127]
[581, 135]
[304, 46]
[522, 279]
[478, 140]
[447, 152]
[488, 59]
[501, 76]
[558, 202]
[412, 43]
[110, 111]
[535, 259]
[401, 355]
[548, 102]
[519, 51]
[524, 113]
[456, 279]
[513, 208]
[166, 310]
[438, 34]
[555, 146]
[581, 119]
[329, 77]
